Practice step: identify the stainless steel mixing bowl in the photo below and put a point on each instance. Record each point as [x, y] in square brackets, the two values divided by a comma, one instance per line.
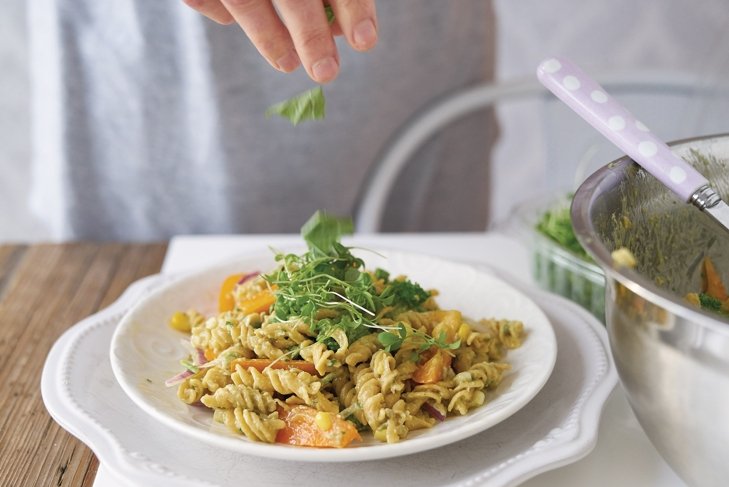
[672, 359]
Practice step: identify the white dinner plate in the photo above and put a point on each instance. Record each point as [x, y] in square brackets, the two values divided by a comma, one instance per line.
[145, 351]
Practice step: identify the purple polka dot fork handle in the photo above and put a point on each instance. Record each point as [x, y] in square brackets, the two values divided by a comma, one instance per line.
[586, 97]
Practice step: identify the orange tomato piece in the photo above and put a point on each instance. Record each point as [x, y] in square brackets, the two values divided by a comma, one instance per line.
[261, 363]
[712, 281]
[305, 426]
[431, 370]
[259, 303]
[226, 301]
[209, 354]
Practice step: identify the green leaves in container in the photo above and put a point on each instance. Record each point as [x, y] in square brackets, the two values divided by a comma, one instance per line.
[556, 224]
[562, 274]
[309, 105]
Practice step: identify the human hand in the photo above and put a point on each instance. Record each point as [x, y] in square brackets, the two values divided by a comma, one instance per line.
[297, 31]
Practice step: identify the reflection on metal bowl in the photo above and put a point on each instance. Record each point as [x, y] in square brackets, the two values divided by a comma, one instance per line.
[672, 358]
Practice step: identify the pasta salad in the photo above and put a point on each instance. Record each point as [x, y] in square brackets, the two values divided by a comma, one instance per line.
[321, 349]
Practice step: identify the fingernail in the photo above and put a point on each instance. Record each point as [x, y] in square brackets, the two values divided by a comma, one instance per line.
[365, 34]
[288, 62]
[325, 69]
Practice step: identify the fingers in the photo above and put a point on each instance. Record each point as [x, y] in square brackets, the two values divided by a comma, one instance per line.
[307, 23]
[358, 22]
[212, 9]
[298, 33]
[264, 28]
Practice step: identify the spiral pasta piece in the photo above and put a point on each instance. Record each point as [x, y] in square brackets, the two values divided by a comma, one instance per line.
[251, 377]
[468, 393]
[245, 327]
[215, 332]
[263, 346]
[284, 334]
[491, 373]
[394, 429]
[240, 396]
[215, 378]
[385, 370]
[345, 391]
[255, 426]
[258, 427]
[289, 381]
[191, 390]
[320, 356]
[361, 350]
[437, 395]
[370, 397]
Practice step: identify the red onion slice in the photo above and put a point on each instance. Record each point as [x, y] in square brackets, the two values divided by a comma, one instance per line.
[430, 409]
[173, 381]
[200, 358]
[248, 277]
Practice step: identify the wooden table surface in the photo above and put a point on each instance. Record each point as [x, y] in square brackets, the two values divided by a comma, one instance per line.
[44, 290]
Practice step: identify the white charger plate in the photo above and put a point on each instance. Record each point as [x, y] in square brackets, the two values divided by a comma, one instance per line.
[145, 351]
[559, 426]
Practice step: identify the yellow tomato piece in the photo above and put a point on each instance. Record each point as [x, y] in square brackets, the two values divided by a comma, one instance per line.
[180, 322]
[449, 323]
[259, 303]
[226, 300]
[463, 331]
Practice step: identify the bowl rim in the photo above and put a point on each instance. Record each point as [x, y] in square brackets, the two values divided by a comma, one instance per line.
[614, 173]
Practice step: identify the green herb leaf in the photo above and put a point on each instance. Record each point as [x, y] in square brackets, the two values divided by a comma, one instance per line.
[405, 294]
[309, 105]
[393, 341]
[189, 366]
[322, 231]
[709, 303]
[330, 13]
[389, 340]
[382, 275]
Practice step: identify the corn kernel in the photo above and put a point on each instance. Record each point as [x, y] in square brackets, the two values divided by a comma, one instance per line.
[180, 322]
[463, 331]
[323, 420]
[623, 257]
[381, 434]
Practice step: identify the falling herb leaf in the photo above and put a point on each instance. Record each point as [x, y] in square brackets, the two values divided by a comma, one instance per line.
[322, 231]
[309, 105]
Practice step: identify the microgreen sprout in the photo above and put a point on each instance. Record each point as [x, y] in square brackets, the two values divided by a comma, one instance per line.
[328, 288]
